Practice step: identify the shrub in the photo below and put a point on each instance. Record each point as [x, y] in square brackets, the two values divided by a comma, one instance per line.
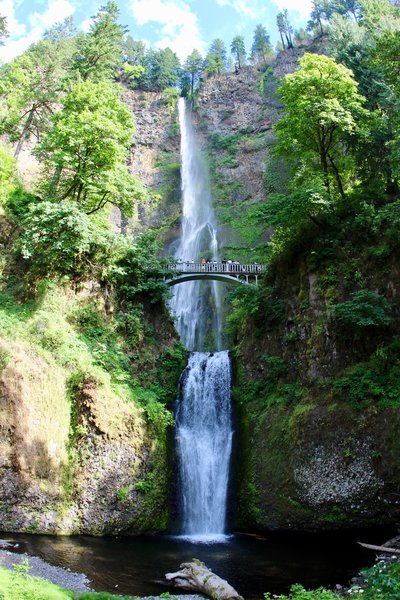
[382, 581]
[365, 309]
[297, 592]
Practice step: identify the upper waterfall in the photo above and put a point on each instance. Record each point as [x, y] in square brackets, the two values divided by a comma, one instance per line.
[196, 304]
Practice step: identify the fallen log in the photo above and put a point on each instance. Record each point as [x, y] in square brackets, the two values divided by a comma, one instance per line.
[380, 548]
[196, 577]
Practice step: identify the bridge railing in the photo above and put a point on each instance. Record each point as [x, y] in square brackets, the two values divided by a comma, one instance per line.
[234, 268]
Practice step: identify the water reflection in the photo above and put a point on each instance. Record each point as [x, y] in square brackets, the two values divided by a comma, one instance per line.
[253, 566]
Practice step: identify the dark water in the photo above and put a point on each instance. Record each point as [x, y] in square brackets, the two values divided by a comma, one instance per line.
[253, 566]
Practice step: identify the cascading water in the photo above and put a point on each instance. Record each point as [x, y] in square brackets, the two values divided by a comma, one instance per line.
[203, 415]
[198, 239]
[204, 440]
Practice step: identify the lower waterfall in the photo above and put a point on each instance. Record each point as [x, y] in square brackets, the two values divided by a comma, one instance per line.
[204, 441]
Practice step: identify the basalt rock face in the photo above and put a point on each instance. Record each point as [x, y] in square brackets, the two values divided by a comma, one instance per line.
[155, 160]
[78, 456]
[319, 410]
[234, 119]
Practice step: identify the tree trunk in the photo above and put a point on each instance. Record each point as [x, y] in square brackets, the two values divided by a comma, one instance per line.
[24, 133]
[338, 178]
[196, 577]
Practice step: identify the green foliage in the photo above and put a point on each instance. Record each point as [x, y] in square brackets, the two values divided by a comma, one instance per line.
[239, 51]
[365, 309]
[99, 53]
[376, 381]
[261, 48]
[59, 240]
[171, 97]
[382, 581]
[4, 359]
[298, 592]
[165, 69]
[322, 108]
[296, 217]
[192, 70]
[215, 62]
[3, 29]
[276, 368]
[139, 271]
[7, 168]
[19, 585]
[85, 152]
[30, 87]
[123, 493]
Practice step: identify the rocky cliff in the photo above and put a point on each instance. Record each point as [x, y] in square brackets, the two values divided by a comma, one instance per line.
[318, 399]
[84, 449]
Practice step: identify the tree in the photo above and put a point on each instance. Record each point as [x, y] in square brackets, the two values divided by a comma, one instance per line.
[322, 108]
[285, 29]
[29, 90]
[238, 50]
[85, 152]
[165, 69]
[3, 29]
[321, 10]
[193, 68]
[99, 53]
[61, 31]
[7, 169]
[215, 61]
[261, 48]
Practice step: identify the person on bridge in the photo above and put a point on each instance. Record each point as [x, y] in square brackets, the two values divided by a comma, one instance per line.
[203, 264]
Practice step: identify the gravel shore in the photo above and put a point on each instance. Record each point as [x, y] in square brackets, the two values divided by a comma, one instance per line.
[40, 568]
[78, 582]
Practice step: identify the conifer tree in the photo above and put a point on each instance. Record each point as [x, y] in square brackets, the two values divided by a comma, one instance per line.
[99, 53]
[238, 50]
[216, 60]
[261, 48]
[193, 68]
[285, 29]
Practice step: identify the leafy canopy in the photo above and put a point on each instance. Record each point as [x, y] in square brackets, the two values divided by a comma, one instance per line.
[322, 108]
[84, 154]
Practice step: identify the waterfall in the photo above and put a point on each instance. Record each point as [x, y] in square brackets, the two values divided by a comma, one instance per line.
[203, 414]
[191, 302]
[204, 441]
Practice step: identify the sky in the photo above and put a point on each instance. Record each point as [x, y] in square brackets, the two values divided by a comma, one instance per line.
[180, 24]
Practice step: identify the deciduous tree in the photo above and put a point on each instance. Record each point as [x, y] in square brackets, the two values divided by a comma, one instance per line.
[85, 152]
[322, 108]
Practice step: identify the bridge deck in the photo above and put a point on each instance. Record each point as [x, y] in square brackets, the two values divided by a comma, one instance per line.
[231, 268]
[217, 271]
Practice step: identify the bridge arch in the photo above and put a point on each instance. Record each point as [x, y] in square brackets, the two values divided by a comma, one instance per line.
[207, 276]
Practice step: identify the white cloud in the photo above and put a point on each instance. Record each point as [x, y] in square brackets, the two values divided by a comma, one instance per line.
[20, 39]
[7, 9]
[258, 9]
[249, 8]
[301, 7]
[56, 13]
[179, 27]
[86, 24]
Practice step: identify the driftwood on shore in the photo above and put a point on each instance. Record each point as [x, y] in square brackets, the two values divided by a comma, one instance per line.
[380, 548]
[196, 577]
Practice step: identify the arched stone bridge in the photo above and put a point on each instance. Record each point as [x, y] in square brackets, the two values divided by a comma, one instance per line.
[230, 272]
